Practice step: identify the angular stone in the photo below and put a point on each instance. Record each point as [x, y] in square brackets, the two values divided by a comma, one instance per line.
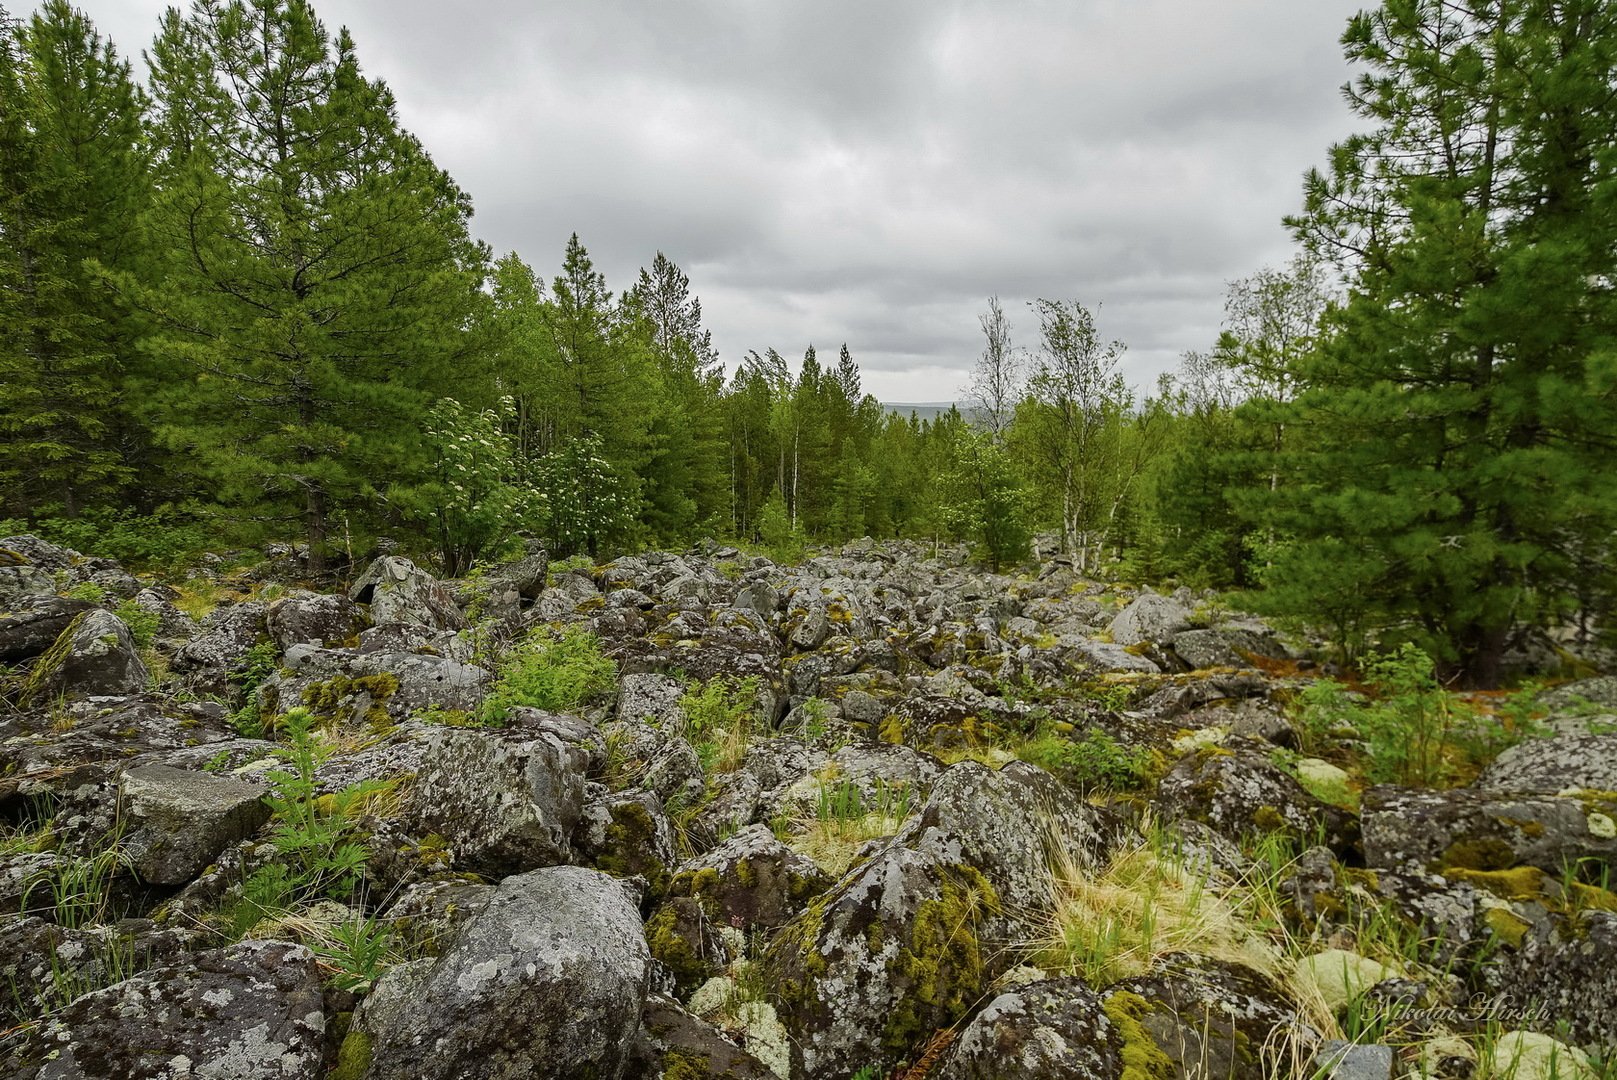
[1057, 1027]
[1149, 618]
[179, 821]
[1547, 766]
[904, 937]
[32, 629]
[313, 619]
[93, 657]
[243, 1012]
[1478, 830]
[21, 583]
[750, 881]
[211, 658]
[672, 1042]
[546, 982]
[398, 592]
[1340, 1060]
[360, 689]
[504, 801]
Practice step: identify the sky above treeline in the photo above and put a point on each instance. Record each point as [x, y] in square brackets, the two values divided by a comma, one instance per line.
[870, 172]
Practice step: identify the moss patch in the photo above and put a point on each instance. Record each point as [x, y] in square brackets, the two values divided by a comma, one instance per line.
[332, 698]
[1488, 854]
[50, 661]
[940, 965]
[630, 838]
[354, 1059]
[670, 945]
[1143, 1059]
[1507, 925]
[1522, 883]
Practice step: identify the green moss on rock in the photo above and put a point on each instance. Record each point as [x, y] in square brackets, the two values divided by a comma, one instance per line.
[1142, 1058]
[354, 1058]
[940, 965]
[1485, 854]
[328, 699]
[670, 946]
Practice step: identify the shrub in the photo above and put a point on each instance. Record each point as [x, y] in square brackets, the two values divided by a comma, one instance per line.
[142, 623]
[555, 674]
[718, 720]
[258, 664]
[165, 539]
[316, 836]
[1405, 727]
[1096, 760]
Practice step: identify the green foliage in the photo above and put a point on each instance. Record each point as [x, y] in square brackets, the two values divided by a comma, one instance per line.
[1453, 428]
[317, 834]
[554, 672]
[585, 503]
[317, 838]
[88, 591]
[985, 500]
[257, 664]
[472, 503]
[1323, 581]
[360, 950]
[312, 276]
[783, 542]
[1323, 708]
[162, 540]
[842, 801]
[1071, 423]
[1096, 760]
[73, 178]
[1408, 722]
[719, 719]
[78, 891]
[816, 719]
[142, 623]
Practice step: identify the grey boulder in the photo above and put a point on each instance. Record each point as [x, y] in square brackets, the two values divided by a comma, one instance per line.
[1584, 762]
[400, 592]
[1057, 1027]
[547, 981]
[179, 821]
[1149, 618]
[94, 657]
[244, 1012]
[504, 801]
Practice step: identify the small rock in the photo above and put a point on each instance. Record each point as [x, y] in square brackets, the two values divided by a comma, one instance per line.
[1340, 976]
[1529, 1055]
[1339, 1060]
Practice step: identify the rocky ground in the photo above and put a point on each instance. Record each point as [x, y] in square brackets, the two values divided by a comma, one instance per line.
[881, 814]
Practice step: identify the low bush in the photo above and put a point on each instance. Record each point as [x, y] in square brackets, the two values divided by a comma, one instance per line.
[556, 673]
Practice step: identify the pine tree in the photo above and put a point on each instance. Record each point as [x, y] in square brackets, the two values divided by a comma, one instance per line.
[318, 275]
[1460, 420]
[72, 180]
[684, 472]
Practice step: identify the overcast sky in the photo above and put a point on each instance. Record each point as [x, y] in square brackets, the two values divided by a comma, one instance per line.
[869, 171]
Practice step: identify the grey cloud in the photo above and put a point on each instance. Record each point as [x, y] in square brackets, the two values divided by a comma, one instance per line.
[870, 172]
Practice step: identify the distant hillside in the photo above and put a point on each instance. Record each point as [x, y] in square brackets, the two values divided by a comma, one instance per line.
[926, 410]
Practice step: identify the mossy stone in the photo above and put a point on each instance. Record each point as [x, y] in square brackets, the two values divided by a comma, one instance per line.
[1142, 1058]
